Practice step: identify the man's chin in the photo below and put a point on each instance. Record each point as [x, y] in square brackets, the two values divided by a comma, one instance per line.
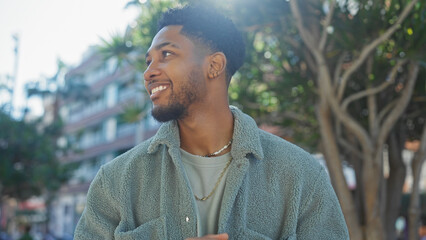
[168, 113]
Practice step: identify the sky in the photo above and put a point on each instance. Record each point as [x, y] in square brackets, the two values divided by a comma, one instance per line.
[52, 29]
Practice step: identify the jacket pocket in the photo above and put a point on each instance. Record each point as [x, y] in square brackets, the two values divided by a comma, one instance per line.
[154, 229]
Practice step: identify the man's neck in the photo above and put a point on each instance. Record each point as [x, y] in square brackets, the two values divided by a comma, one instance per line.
[207, 131]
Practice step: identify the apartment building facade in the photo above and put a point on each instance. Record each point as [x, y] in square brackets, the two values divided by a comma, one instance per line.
[95, 128]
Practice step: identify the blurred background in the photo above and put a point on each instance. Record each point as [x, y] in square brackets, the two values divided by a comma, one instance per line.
[343, 79]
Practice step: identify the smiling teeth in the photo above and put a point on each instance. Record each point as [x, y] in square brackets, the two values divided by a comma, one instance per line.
[156, 89]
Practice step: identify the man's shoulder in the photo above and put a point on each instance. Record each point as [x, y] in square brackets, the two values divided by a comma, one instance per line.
[285, 154]
[286, 162]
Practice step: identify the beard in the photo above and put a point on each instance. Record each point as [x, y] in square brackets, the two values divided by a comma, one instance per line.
[173, 111]
[181, 99]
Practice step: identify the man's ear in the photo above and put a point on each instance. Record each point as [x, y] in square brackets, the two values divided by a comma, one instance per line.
[217, 65]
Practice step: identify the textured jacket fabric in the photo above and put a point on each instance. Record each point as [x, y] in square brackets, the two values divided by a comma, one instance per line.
[274, 190]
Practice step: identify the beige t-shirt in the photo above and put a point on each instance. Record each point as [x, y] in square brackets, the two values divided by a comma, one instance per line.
[203, 173]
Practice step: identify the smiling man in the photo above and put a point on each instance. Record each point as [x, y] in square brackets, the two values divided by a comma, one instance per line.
[179, 86]
[209, 172]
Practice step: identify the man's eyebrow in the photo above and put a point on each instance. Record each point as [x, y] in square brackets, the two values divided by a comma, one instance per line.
[161, 45]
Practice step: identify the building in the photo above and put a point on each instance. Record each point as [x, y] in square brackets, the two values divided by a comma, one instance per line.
[94, 127]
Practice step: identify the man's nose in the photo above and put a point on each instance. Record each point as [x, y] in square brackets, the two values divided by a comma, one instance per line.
[151, 72]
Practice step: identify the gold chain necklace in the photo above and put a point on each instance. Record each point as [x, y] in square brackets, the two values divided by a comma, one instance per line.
[221, 150]
[217, 182]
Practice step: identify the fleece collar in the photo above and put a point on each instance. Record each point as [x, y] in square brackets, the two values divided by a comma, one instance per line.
[246, 138]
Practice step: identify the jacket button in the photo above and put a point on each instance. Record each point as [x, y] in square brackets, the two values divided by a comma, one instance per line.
[186, 219]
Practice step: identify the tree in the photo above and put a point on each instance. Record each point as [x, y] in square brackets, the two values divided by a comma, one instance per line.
[28, 148]
[371, 134]
[363, 59]
[28, 163]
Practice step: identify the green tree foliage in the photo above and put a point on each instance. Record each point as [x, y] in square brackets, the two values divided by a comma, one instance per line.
[29, 150]
[275, 84]
[28, 163]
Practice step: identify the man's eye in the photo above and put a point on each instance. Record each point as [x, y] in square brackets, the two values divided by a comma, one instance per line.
[148, 62]
[166, 53]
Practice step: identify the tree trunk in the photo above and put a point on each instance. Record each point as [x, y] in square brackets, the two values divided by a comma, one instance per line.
[358, 192]
[373, 221]
[331, 153]
[395, 183]
[413, 210]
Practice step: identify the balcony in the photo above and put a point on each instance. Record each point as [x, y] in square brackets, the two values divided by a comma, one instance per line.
[91, 139]
[130, 93]
[86, 111]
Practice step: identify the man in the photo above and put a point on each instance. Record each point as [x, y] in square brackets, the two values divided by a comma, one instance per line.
[209, 172]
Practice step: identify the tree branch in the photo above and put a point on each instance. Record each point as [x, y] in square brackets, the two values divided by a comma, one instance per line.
[370, 47]
[361, 94]
[304, 33]
[338, 68]
[295, 44]
[401, 104]
[328, 18]
[350, 123]
[310, 61]
[389, 80]
[371, 102]
[385, 111]
[325, 84]
[341, 140]
[349, 147]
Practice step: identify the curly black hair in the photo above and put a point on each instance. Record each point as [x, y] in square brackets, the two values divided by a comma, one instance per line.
[211, 28]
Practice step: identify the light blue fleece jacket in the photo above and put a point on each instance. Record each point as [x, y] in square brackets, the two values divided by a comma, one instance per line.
[274, 190]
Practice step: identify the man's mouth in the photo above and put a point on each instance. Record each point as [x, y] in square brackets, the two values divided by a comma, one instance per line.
[157, 88]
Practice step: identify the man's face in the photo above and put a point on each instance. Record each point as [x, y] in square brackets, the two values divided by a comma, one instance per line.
[174, 77]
